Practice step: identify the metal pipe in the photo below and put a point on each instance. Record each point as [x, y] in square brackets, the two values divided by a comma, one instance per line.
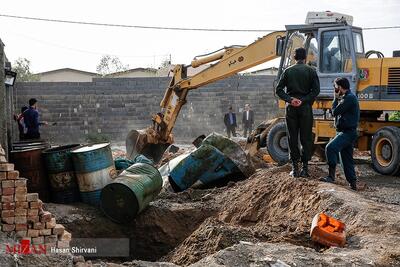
[196, 62]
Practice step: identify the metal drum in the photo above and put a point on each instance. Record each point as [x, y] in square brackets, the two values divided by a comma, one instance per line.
[131, 192]
[29, 162]
[203, 166]
[60, 170]
[94, 169]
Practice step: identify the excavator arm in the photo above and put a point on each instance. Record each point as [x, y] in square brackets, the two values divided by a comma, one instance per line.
[153, 141]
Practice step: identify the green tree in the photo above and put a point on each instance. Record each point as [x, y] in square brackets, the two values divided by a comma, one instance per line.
[22, 67]
[110, 64]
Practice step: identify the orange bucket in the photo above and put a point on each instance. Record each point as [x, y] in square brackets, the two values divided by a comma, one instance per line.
[328, 231]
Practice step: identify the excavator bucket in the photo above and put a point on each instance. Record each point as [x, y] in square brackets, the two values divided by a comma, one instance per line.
[140, 142]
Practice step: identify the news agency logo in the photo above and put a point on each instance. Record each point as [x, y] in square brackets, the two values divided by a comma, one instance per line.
[25, 248]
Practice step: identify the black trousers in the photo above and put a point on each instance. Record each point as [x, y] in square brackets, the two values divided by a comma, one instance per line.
[299, 121]
[231, 129]
[247, 128]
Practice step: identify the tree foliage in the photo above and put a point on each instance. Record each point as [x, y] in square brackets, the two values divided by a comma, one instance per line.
[22, 67]
[110, 64]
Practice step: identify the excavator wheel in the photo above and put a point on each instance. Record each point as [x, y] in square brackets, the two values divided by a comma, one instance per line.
[385, 150]
[277, 143]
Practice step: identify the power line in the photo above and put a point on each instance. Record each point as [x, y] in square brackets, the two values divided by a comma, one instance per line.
[134, 26]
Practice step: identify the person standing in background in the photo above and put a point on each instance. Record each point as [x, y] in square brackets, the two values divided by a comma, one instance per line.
[31, 119]
[247, 120]
[230, 122]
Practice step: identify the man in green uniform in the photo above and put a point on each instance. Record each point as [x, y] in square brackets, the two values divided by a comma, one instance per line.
[302, 87]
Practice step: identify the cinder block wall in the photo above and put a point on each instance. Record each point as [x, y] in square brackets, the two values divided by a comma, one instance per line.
[114, 106]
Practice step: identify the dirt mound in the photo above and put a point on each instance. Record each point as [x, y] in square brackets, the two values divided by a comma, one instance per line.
[262, 208]
[273, 207]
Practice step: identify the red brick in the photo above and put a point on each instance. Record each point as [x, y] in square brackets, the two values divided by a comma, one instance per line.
[8, 206]
[50, 239]
[38, 240]
[3, 175]
[33, 212]
[63, 244]
[20, 197]
[32, 197]
[7, 199]
[7, 213]
[21, 227]
[45, 232]
[21, 233]
[36, 204]
[58, 229]
[8, 227]
[20, 220]
[7, 183]
[51, 224]
[45, 216]
[33, 219]
[12, 175]
[21, 205]
[66, 236]
[5, 167]
[8, 220]
[21, 190]
[33, 233]
[21, 212]
[8, 191]
[20, 182]
[39, 226]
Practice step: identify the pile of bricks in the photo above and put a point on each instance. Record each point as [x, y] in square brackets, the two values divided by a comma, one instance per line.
[23, 212]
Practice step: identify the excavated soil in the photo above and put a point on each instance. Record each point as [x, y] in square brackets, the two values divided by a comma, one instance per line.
[261, 221]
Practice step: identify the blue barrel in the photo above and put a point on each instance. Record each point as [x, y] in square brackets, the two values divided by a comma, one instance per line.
[203, 166]
[63, 184]
[131, 192]
[94, 169]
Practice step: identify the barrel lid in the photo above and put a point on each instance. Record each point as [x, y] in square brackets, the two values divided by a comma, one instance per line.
[89, 148]
[60, 148]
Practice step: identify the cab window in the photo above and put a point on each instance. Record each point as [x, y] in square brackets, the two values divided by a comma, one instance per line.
[312, 54]
[358, 43]
[336, 53]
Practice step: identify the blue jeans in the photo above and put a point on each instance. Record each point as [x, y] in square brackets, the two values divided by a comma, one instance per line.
[343, 143]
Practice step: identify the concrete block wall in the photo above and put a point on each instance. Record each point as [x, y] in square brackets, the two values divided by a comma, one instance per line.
[113, 106]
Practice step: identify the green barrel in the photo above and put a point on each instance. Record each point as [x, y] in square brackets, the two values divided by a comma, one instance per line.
[131, 192]
[63, 184]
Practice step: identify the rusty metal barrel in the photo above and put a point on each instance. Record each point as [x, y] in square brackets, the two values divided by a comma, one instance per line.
[60, 170]
[27, 158]
[94, 169]
[131, 192]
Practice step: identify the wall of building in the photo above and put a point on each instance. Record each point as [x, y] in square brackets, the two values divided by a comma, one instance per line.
[66, 76]
[114, 106]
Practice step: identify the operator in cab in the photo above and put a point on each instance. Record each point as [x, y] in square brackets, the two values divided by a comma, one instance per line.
[346, 110]
[302, 87]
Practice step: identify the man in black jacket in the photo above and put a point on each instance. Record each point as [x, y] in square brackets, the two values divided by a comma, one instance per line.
[247, 120]
[346, 110]
[302, 87]
[230, 122]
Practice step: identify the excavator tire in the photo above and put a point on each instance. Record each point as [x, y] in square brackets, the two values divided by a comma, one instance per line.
[385, 150]
[277, 143]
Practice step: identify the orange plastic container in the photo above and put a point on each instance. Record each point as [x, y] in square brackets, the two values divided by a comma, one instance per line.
[328, 231]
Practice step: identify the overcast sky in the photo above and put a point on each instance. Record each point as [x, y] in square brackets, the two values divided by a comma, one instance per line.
[54, 45]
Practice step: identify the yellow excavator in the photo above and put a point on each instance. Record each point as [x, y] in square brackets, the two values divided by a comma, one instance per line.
[336, 49]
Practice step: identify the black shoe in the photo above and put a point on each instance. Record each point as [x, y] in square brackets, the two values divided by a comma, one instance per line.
[327, 179]
[304, 170]
[331, 175]
[295, 169]
[353, 186]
